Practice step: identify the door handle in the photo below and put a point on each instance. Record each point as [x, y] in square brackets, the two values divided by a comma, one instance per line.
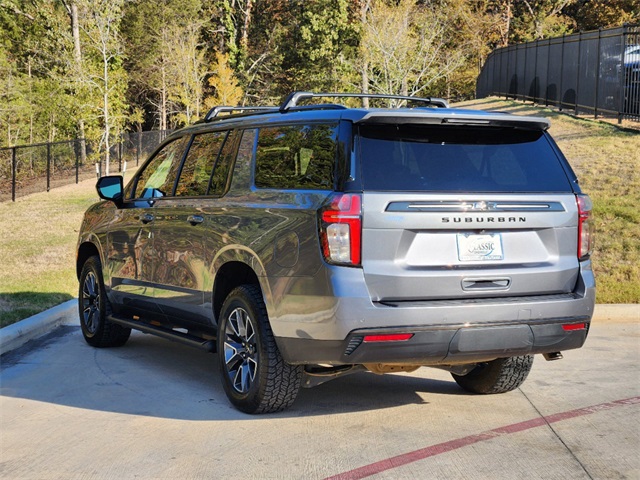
[146, 218]
[195, 219]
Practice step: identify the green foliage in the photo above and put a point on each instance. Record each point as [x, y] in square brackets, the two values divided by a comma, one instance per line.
[162, 58]
[226, 90]
[594, 14]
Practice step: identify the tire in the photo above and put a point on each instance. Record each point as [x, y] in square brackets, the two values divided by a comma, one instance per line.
[498, 376]
[94, 307]
[254, 375]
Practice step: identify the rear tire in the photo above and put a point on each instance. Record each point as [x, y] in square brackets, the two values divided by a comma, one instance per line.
[94, 307]
[254, 375]
[498, 376]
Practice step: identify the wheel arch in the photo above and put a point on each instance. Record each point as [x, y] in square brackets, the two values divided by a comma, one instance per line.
[86, 250]
[230, 275]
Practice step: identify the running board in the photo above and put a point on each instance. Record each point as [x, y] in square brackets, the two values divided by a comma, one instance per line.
[180, 337]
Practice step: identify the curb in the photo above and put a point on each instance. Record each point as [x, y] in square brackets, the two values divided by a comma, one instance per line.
[17, 334]
[625, 312]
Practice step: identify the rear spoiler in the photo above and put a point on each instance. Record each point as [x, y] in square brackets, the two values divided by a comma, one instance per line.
[439, 117]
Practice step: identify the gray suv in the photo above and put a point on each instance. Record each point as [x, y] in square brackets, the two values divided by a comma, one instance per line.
[304, 243]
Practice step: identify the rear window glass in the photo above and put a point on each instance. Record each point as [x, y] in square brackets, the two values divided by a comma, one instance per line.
[296, 157]
[459, 159]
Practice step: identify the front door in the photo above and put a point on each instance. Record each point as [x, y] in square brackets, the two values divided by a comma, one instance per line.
[132, 254]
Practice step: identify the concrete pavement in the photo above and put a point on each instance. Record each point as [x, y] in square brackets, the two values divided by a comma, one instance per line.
[156, 409]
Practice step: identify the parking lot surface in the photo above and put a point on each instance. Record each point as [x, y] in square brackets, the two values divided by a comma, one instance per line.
[155, 409]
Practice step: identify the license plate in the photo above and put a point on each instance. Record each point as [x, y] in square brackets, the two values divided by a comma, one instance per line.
[478, 248]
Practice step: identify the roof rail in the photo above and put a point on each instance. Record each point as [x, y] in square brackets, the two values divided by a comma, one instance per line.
[293, 98]
[213, 113]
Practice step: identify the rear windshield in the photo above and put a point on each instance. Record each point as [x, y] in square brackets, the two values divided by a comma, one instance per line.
[458, 159]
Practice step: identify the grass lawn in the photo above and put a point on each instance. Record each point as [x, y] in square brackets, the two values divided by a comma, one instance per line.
[37, 247]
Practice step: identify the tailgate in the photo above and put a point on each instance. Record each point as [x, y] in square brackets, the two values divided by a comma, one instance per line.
[449, 246]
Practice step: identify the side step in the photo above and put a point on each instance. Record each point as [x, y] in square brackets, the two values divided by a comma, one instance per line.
[180, 337]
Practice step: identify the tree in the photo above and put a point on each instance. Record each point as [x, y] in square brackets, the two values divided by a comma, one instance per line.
[166, 36]
[37, 45]
[103, 70]
[226, 90]
[593, 14]
[187, 71]
[538, 19]
[405, 46]
[295, 45]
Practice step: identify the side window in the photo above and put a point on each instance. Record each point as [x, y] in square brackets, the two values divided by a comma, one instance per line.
[242, 169]
[225, 161]
[159, 175]
[296, 156]
[196, 171]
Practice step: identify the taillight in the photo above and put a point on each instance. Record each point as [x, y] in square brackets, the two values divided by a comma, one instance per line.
[341, 229]
[585, 226]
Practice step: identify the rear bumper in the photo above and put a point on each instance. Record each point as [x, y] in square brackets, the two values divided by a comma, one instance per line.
[439, 345]
[323, 329]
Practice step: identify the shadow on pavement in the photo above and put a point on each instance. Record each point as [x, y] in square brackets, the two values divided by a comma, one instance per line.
[153, 377]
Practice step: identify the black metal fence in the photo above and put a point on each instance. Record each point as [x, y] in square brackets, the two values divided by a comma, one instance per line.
[26, 169]
[595, 72]
[134, 148]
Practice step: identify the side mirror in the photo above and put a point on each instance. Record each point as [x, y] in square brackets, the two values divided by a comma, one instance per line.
[110, 188]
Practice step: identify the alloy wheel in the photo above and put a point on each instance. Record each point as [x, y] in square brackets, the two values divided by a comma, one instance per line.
[91, 302]
[240, 350]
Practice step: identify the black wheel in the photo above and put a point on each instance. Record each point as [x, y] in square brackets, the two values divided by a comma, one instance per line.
[254, 375]
[94, 307]
[498, 376]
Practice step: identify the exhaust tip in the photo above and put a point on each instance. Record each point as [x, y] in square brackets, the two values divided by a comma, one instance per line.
[552, 356]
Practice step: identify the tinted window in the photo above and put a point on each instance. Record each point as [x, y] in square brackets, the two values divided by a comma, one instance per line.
[196, 171]
[459, 159]
[159, 175]
[220, 176]
[296, 156]
[242, 169]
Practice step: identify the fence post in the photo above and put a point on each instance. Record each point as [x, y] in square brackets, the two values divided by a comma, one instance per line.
[546, 90]
[500, 74]
[595, 100]
[525, 94]
[120, 153]
[515, 97]
[507, 82]
[13, 174]
[576, 109]
[536, 81]
[75, 150]
[48, 166]
[561, 74]
[623, 44]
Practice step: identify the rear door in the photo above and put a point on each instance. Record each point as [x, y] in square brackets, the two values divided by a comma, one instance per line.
[463, 211]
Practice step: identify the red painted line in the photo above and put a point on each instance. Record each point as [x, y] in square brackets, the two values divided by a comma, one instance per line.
[433, 450]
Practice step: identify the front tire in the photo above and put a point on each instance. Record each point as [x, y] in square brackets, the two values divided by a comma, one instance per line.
[498, 376]
[94, 307]
[254, 375]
